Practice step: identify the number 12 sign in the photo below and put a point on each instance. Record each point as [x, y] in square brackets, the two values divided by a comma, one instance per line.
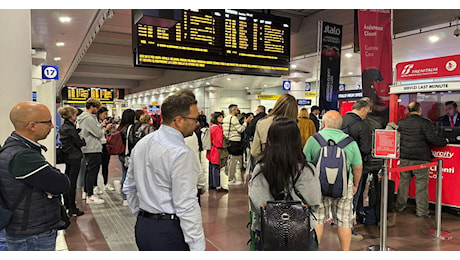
[50, 72]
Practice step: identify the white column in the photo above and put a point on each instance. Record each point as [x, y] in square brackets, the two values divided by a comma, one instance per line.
[15, 68]
[213, 96]
[46, 95]
[298, 89]
[253, 97]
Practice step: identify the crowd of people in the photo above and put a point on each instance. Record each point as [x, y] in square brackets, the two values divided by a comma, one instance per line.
[162, 178]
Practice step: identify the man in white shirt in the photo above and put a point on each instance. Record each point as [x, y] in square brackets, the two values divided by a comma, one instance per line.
[161, 183]
[232, 129]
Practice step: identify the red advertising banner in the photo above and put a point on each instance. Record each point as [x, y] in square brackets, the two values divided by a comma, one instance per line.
[429, 68]
[450, 155]
[374, 26]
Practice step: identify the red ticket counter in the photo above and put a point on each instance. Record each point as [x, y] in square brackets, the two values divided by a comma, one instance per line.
[450, 156]
[431, 82]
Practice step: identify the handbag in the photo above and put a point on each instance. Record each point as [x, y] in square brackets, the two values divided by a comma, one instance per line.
[223, 156]
[64, 216]
[285, 225]
[60, 156]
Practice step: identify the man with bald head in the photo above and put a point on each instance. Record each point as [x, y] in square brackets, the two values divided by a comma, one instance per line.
[341, 208]
[417, 134]
[28, 179]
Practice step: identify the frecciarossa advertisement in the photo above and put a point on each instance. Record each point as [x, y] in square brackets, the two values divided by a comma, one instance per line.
[447, 66]
[450, 156]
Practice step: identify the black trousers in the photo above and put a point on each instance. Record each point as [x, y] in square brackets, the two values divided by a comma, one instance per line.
[93, 162]
[105, 164]
[72, 168]
[159, 235]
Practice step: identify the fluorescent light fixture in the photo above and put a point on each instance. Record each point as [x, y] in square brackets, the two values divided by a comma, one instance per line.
[59, 44]
[433, 38]
[293, 66]
[65, 19]
[57, 58]
[348, 55]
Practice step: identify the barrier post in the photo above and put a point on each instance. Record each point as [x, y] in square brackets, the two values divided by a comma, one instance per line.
[438, 233]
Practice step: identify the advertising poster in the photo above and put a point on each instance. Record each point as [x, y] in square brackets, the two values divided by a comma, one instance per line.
[331, 46]
[374, 27]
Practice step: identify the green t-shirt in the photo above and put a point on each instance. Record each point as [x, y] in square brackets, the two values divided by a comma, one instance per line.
[312, 148]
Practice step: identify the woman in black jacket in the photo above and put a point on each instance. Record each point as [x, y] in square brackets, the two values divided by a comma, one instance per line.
[71, 144]
[126, 123]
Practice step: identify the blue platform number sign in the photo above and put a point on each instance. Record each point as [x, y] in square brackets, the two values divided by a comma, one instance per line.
[307, 86]
[286, 85]
[50, 72]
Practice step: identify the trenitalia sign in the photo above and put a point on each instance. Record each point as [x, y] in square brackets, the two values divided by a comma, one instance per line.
[430, 68]
[426, 87]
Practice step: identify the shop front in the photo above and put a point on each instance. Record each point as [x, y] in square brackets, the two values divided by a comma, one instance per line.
[435, 84]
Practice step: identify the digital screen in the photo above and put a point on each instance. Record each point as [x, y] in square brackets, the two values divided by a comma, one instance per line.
[223, 41]
[153, 108]
[80, 95]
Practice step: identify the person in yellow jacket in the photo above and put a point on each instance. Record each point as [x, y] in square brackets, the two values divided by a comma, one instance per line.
[306, 126]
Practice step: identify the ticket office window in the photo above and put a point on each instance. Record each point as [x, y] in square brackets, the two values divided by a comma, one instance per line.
[433, 107]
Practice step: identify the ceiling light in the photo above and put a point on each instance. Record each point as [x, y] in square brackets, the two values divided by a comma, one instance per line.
[348, 55]
[433, 38]
[293, 66]
[59, 44]
[57, 58]
[65, 19]
[229, 78]
[350, 73]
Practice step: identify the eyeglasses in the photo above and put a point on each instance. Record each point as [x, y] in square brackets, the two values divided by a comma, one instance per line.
[39, 122]
[191, 118]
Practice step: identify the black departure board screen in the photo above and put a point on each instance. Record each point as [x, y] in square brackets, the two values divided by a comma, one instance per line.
[80, 94]
[223, 41]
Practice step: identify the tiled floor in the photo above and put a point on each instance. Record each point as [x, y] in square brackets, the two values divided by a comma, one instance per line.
[225, 216]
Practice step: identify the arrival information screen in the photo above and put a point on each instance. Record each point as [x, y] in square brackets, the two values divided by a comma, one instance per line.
[228, 41]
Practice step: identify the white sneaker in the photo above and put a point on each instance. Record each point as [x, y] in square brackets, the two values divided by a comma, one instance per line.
[94, 200]
[235, 183]
[109, 187]
[97, 190]
[125, 203]
[83, 195]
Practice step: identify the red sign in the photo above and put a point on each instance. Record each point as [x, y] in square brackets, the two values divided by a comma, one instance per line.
[450, 155]
[430, 68]
[376, 54]
[385, 144]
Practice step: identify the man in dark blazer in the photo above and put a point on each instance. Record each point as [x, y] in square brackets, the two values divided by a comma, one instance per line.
[451, 117]
[314, 116]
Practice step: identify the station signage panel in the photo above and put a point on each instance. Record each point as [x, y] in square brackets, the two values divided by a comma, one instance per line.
[50, 72]
[448, 66]
[427, 87]
[217, 40]
[80, 95]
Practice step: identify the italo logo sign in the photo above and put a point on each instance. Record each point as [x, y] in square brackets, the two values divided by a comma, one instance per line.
[332, 30]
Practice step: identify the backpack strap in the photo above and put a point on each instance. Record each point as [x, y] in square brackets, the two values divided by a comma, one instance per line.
[345, 142]
[320, 139]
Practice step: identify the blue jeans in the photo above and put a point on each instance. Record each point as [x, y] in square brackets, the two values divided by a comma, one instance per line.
[124, 171]
[45, 241]
[3, 246]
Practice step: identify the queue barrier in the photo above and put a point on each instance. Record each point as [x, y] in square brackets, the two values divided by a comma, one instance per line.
[437, 233]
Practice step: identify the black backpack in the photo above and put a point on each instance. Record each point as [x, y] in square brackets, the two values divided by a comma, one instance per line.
[285, 225]
[332, 166]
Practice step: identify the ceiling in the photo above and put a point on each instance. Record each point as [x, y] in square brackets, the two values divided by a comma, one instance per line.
[97, 48]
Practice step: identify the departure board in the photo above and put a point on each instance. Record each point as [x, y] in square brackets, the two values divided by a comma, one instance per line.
[80, 95]
[225, 41]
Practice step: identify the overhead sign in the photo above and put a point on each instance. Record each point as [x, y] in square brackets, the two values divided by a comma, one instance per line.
[80, 95]
[307, 86]
[286, 85]
[447, 66]
[428, 87]
[310, 94]
[386, 144]
[304, 102]
[272, 97]
[50, 72]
